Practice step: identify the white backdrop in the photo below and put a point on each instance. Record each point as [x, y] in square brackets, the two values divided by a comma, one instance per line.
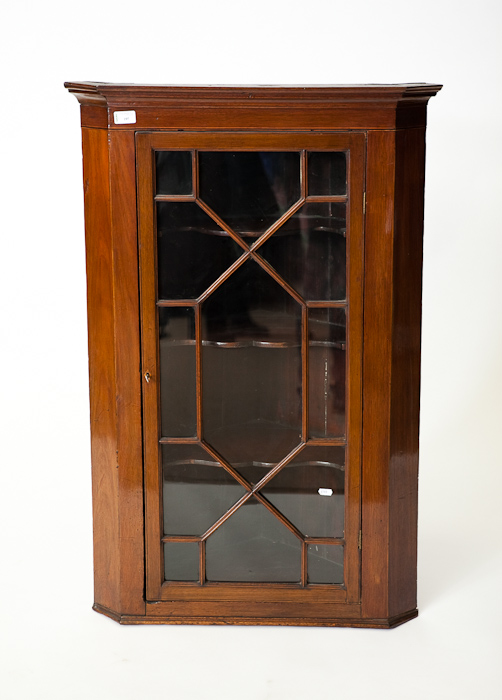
[52, 645]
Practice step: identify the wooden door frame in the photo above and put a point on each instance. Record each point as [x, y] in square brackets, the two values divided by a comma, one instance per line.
[214, 599]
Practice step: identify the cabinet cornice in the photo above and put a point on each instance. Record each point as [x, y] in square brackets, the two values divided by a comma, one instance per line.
[257, 106]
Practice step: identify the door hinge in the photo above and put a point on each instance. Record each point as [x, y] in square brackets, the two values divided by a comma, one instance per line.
[360, 540]
[364, 202]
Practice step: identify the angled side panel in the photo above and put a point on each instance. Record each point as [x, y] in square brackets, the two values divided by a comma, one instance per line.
[105, 483]
[393, 290]
[405, 396]
[114, 369]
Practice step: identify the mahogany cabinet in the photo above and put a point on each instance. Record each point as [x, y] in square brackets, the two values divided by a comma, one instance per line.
[254, 262]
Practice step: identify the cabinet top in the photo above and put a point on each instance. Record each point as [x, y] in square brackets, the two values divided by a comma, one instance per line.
[254, 106]
[326, 92]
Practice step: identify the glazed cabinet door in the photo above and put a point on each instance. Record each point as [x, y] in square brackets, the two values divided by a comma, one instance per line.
[251, 262]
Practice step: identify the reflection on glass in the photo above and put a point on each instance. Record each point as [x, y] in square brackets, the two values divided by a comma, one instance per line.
[324, 563]
[251, 370]
[177, 371]
[253, 545]
[193, 251]
[308, 251]
[197, 490]
[173, 170]
[309, 491]
[327, 329]
[327, 173]
[249, 190]
[181, 561]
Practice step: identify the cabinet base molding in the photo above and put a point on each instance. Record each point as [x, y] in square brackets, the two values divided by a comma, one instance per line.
[374, 623]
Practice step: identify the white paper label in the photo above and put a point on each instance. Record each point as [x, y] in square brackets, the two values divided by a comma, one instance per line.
[125, 117]
[325, 492]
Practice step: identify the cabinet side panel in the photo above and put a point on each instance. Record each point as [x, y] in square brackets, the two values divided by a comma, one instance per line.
[101, 368]
[377, 371]
[405, 401]
[127, 368]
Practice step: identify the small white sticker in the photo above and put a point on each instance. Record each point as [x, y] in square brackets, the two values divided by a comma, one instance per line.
[125, 117]
[325, 492]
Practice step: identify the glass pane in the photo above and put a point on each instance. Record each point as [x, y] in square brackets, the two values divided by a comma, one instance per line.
[251, 370]
[327, 173]
[324, 563]
[309, 491]
[197, 490]
[308, 251]
[327, 372]
[173, 171]
[181, 561]
[177, 371]
[253, 545]
[193, 251]
[249, 191]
